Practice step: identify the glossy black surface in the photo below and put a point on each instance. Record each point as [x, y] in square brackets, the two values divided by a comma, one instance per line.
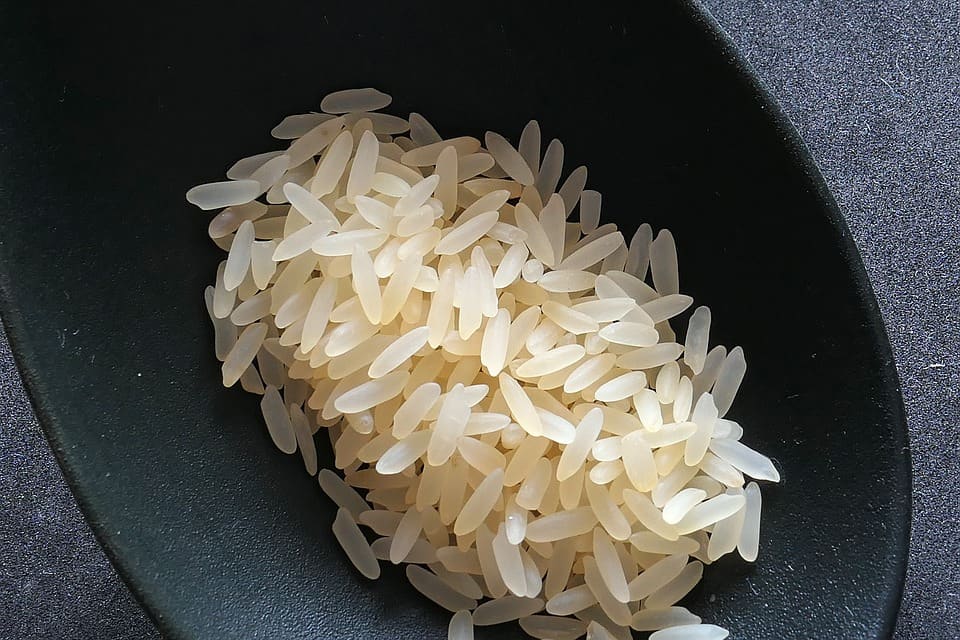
[108, 113]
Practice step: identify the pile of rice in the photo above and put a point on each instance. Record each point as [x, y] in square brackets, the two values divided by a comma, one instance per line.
[508, 404]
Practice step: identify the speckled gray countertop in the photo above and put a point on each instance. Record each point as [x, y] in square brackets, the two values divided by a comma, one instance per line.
[874, 88]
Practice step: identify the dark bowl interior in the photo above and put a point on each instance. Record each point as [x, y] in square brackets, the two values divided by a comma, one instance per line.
[110, 111]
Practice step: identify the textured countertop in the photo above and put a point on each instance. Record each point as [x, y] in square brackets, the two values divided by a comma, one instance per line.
[874, 88]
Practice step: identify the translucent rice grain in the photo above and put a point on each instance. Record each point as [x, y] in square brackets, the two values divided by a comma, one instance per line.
[480, 455]
[569, 319]
[683, 400]
[351, 539]
[278, 421]
[331, 166]
[382, 522]
[567, 281]
[462, 236]
[250, 381]
[572, 188]
[238, 259]
[749, 543]
[555, 427]
[589, 210]
[471, 311]
[691, 632]
[341, 493]
[421, 131]
[575, 453]
[618, 611]
[243, 352]
[427, 155]
[657, 576]
[270, 173]
[748, 461]
[505, 609]
[521, 408]
[650, 357]
[551, 361]
[553, 220]
[537, 241]
[648, 410]
[550, 169]
[704, 415]
[638, 258]
[370, 394]
[342, 244]
[508, 158]
[509, 564]
[663, 263]
[216, 195]
[608, 564]
[633, 334]
[654, 619]
[514, 522]
[452, 492]
[437, 590]
[676, 588]
[532, 575]
[698, 333]
[535, 485]
[471, 165]
[552, 628]
[672, 433]
[729, 379]
[623, 386]
[364, 165]
[314, 141]
[648, 514]
[650, 542]
[562, 524]
[451, 421]
[493, 350]
[224, 329]
[483, 186]
[709, 512]
[668, 382]
[398, 352]
[529, 146]
[571, 601]
[478, 506]
[726, 535]
[606, 310]
[607, 511]
[262, 266]
[721, 471]
[352, 100]
[638, 461]
[596, 631]
[461, 626]
[488, 563]
[703, 381]
[680, 505]
[308, 449]
[589, 372]
[300, 241]
[408, 530]
[414, 409]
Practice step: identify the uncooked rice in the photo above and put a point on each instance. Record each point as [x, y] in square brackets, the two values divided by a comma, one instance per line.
[510, 410]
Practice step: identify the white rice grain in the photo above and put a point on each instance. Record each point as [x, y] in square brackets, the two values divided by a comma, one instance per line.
[749, 542]
[691, 632]
[352, 100]
[351, 539]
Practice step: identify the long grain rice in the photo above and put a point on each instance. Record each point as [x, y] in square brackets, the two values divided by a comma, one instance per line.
[429, 300]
